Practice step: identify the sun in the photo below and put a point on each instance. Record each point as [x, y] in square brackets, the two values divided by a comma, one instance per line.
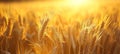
[78, 2]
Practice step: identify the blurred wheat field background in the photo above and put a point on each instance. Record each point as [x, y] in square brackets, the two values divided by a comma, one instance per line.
[57, 28]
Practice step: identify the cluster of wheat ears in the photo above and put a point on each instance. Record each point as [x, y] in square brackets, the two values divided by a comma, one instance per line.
[97, 33]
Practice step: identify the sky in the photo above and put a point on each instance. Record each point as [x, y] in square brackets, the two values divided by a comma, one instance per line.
[46, 0]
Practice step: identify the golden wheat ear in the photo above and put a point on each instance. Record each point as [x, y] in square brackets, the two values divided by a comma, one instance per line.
[3, 24]
[43, 28]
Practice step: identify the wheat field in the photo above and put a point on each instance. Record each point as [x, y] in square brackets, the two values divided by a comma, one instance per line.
[59, 30]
